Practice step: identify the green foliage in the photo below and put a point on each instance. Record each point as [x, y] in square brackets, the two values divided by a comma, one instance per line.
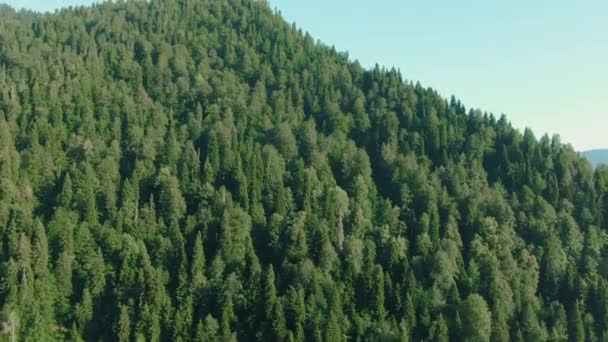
[476, 319]
[201, 170]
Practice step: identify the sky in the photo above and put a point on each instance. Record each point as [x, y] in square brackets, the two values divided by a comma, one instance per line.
[543, 63]
[45, 5]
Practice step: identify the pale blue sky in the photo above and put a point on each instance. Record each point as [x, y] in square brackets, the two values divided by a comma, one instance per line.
[544, 63]
[45, 5]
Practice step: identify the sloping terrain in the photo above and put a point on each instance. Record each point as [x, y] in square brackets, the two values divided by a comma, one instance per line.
[201, 170]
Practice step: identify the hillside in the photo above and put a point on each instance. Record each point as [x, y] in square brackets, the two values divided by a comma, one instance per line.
[597, 157]
[202, 170]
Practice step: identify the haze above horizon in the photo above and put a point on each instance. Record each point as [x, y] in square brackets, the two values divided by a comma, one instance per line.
[541, 63]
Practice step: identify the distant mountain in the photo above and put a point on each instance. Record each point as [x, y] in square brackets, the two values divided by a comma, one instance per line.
[597, 157]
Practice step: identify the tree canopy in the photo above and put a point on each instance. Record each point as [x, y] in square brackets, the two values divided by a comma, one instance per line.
[202, 170]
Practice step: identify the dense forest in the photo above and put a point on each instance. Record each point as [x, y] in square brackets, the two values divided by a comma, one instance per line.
[176, 170]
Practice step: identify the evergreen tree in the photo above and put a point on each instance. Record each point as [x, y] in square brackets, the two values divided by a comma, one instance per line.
[201, 170]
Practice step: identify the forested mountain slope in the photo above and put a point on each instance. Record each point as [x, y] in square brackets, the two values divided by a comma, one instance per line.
[201, 170]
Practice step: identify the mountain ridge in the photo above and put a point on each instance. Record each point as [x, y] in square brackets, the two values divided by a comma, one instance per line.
[597, 156]
[202, 170]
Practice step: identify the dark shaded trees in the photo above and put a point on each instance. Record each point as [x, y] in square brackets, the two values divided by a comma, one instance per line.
[200, 170]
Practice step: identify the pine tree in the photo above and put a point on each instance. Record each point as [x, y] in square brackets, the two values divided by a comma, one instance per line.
[576, 330]
[197, 272]
[123, 328]
[138, 140]
[476, 319]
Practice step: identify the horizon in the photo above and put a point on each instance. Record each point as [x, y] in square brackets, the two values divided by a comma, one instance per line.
[541, 64]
